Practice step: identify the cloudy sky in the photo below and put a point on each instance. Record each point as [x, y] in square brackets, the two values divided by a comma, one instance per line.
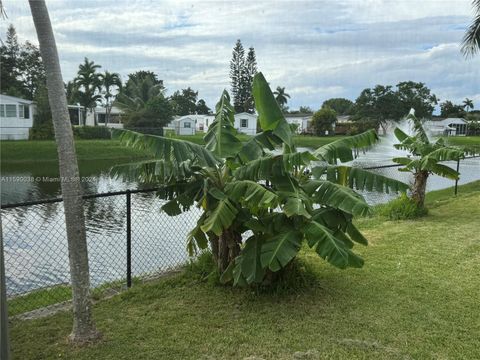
[316, 49]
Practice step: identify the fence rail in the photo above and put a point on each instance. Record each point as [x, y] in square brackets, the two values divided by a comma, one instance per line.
[128, 239]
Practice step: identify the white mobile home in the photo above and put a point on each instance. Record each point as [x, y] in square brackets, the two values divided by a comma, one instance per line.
[246, 123]
[448, 127]
[16, 117]
[184, 126]
[301, 120]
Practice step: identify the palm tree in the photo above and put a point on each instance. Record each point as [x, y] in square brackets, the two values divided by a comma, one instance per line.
[109, 82]
[88, 83]
[244, 189]
[281, 96]
[83, 326]
[425, 159]
[471, 39]
[468, 104]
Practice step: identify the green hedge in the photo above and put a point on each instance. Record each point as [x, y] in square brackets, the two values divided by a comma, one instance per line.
[92, 132]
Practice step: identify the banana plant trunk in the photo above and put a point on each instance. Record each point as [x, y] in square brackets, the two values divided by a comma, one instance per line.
[226, 249]
[419, 187]
[84, 329]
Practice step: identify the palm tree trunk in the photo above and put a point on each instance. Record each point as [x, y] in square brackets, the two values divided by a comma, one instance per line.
[419, 188]
[228, 248]
[83, 326]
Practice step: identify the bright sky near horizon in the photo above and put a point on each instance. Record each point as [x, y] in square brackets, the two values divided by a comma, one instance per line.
[316, 49]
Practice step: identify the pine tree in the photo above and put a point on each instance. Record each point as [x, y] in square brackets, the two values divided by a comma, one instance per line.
[237, 76]
[250, 71]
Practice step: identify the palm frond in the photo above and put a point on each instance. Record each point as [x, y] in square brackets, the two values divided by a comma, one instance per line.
[359, 179]
[280, 249]
[271, 166]
[221, 137]
[251, 193]
[340, 197]
[471, 39]
[220, 218]
[343, 149]
[330, 247]
[270, 115]
[171, 150]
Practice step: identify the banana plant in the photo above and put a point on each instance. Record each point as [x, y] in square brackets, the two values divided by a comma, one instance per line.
[425, 158]
[258, 205]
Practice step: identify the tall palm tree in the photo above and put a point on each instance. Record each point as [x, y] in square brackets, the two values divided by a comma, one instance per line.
[468, 104]
[281, 96]
[110, 81]
[84, 329]
[471, 39]
[88, 83]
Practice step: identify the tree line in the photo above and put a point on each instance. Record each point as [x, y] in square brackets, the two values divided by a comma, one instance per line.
[142, 97]
[376, 107]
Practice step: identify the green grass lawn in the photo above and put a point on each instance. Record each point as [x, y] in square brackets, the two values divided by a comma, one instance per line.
[472, 142]
[415, 298]
[26, 151]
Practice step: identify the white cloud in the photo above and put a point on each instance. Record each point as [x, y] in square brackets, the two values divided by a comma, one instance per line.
[316, 49]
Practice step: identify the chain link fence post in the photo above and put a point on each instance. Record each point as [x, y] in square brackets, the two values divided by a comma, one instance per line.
[129, 238]
[456, 180]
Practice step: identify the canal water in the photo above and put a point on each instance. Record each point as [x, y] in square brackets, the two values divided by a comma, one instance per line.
[35, 245]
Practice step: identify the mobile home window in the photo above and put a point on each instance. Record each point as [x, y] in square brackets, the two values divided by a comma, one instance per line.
[10, 110]
[243, 123]
[21, 111]
[187, 125]
[2, 110]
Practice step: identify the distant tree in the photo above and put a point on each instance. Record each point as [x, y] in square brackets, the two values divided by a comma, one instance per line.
[21, 67]
[468, 104]
[145, 105]
[202, 108]
[138, 77]
[71, 91]
[449, 109]
[471, 39]
[305, 110]
[417, 96]
[238, 76]
[184, 102]
[111, 84]
[42, 128]
[32, 72]
[10, 69]
[88, 86]
[250, 71]
[323, 121]
[281, 97]
[380, 105]
[340, 105]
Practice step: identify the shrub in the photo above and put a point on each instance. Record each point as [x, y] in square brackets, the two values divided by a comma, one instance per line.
[92, 132]
[402, 208]
[42, 132]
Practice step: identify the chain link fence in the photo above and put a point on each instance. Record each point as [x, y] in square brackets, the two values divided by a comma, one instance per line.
[129, 240]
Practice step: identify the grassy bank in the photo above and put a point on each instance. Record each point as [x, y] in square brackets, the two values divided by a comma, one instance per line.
[416, 297]
[26, 151]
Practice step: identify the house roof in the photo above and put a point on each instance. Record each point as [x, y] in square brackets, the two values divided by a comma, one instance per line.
[246, 114]
[184, 118]
[4, 98]
[447, 121]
